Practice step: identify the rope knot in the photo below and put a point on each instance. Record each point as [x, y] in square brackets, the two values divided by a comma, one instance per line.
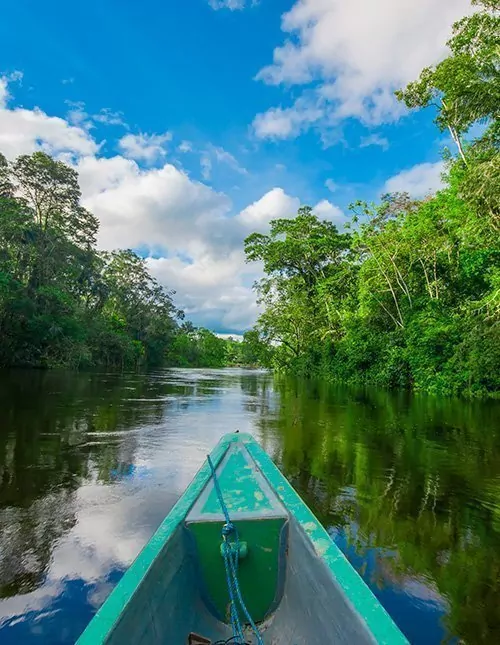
[231, 552]
[228, 529]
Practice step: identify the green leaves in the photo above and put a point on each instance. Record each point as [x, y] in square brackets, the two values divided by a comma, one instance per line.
[411, 297]
[61, 302]
[310, 275]
[464, 87]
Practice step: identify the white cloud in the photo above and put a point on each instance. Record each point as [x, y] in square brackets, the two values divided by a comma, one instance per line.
[216, 284]
[275, 204]
[109, 117]
[211, 155]
[326, 210]
[225, 157]
[214, 155]
[353, 55]
[331, 185]
[4, 86]
[279, 123]
[23, 131]
[4, 93]
[185, 146]
[216, 290]
[159, 207]
[236, 337]
[419, 181]
[144, 147]
[374, 140]
[77, 115]
[188, 224]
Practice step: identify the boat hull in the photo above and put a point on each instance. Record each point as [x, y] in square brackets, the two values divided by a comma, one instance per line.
[295, 581]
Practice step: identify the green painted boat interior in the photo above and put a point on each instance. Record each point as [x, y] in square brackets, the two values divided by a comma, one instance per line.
[297, 585]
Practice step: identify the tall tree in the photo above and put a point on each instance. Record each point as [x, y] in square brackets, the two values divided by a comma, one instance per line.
[307, 258]
[464, 88]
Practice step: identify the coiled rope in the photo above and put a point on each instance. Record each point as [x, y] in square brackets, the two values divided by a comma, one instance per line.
[230, 553]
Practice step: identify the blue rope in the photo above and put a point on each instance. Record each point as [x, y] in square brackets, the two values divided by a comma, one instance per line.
[231, 552]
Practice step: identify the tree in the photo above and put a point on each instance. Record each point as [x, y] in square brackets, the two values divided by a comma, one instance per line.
[62, 302]
[464, 88]
[310, 275]
[254, 350]
[61, 226]
[139, 304]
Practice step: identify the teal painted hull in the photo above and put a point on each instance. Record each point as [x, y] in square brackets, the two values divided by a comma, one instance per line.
[296, 583]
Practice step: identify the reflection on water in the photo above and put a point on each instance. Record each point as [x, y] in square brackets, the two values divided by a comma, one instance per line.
[408, 487]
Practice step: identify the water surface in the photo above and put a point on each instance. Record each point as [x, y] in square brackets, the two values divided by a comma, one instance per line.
[408, 487]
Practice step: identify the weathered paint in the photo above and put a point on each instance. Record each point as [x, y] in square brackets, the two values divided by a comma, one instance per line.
[356, 592]
[242, 492]
[260, 573]
[101, 626]
[245, 490]
[259, 517]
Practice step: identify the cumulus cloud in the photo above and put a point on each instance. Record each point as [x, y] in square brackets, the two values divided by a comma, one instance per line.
[23, 131]
[144, 147]
[191, 227]
[419, 181]
[351, 56]
[217, 290]
[283, 123]
[326, 210]
[275, 204]
[160, 207]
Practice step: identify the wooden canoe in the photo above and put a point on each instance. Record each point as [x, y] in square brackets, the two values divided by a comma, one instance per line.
[296, 583]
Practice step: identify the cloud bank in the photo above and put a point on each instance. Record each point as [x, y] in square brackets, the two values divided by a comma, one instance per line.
[349, 57]
[144, 201]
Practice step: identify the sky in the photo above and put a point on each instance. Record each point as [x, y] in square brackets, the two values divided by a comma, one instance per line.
[193, 123]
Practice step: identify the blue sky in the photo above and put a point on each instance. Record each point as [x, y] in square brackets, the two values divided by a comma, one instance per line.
[194, 122]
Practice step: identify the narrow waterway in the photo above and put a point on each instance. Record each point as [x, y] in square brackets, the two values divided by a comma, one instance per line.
[407, 486]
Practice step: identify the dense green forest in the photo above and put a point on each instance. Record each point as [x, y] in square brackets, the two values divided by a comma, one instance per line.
[65, 304]
[409, 295]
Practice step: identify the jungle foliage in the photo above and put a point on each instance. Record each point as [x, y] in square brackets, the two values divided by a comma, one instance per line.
[63, 303]
[409, 294]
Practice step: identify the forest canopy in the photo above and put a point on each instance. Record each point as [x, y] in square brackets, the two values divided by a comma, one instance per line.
[63, 303]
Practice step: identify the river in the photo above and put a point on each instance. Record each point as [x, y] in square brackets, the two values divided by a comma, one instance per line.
[407, 486]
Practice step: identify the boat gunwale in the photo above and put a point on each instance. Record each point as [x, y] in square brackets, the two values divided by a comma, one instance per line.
[364, 602]
[107, 617]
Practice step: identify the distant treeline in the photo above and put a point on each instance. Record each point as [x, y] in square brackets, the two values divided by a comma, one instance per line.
[409, 296]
